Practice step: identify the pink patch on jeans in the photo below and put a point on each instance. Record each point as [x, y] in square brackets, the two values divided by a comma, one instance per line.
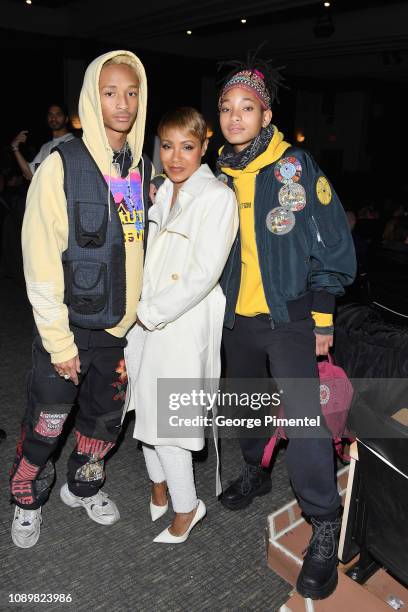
[50, 425]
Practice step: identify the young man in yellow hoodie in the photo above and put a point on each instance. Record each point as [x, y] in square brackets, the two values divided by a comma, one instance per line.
[83, 245]
[293, 255]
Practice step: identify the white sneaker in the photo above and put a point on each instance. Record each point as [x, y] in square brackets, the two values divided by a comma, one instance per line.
[99, 507]
[26, 527]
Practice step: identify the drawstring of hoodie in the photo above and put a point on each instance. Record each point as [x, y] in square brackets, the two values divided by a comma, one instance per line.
[109, 186]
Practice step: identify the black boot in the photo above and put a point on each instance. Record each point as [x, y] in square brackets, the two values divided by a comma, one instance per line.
[318, 576]
[252, 481]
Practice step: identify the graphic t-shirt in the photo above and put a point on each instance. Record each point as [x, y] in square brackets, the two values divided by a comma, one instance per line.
[127, 193]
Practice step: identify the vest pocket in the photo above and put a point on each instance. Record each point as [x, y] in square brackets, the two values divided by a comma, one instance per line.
[86, 286]
[91, 222]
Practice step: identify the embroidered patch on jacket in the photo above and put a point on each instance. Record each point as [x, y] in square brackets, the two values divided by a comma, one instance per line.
[280, 221]
[50, 425]
[323, 190]
[288, 169]
[292, 196]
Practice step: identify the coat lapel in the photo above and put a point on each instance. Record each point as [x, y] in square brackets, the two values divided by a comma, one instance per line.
[178, 221]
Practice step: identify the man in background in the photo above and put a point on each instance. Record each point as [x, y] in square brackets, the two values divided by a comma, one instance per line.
[57, 119]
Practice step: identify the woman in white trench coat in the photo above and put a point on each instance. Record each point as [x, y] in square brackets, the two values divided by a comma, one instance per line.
[192, 226]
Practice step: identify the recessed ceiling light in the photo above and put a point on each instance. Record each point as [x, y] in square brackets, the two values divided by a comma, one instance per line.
[243, 20]
[189, 32]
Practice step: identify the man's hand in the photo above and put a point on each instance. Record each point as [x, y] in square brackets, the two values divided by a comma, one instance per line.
[69, 369]
[323, 344]
[19, 139]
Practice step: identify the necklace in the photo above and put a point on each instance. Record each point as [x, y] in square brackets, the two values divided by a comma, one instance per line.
[122, 153]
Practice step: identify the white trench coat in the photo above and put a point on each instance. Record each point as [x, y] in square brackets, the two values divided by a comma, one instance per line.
[182, 305]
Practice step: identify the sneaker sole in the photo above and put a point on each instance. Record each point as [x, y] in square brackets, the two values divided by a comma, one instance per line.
[325, 591]
[66, 497]
[246, 501]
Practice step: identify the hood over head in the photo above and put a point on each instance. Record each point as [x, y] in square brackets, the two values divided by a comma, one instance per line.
[90, 113]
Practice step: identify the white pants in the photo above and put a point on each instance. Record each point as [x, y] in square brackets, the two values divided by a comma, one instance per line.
[175, 466]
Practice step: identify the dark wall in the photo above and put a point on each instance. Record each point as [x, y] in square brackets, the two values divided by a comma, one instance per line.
[34, 74]
[32, 70]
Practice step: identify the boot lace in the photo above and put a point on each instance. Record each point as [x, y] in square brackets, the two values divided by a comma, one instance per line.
[246, 480]
[324, 542]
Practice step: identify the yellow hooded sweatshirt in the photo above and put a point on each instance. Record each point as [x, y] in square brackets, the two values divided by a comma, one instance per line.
[251, 298]
[45, 226]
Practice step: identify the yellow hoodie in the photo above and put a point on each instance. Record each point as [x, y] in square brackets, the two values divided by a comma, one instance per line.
[251, 299]
[45, 226]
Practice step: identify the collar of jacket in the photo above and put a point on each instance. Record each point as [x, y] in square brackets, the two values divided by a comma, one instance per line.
[275, 150]
[159, 212]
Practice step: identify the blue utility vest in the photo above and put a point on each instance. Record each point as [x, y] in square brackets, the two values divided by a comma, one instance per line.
[95, 260]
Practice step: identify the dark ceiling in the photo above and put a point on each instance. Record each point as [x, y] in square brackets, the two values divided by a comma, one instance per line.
[366, 38]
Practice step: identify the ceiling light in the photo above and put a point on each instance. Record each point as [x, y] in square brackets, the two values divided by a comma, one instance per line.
[189, 32]
[327, 4]
[28, 2]
[243, 20]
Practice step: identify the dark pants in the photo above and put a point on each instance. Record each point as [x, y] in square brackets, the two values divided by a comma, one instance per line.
[99, 396]
[289, 351]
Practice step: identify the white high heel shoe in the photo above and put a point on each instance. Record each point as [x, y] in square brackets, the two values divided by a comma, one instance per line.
[165, 537]
[157, 511]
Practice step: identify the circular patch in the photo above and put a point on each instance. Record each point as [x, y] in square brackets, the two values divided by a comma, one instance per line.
[280, 221]
[323, 190]
[324, 394]
[288, 169]
[223, 178]
[292, 196]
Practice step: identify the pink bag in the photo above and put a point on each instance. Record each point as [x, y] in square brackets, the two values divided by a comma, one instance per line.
[336, 395]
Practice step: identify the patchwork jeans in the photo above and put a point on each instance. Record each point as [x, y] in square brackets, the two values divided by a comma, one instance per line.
[99, 396]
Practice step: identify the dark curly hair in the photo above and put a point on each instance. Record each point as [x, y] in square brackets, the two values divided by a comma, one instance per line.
[273, 77]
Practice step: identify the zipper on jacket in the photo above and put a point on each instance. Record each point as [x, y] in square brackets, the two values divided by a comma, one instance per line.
[318, 235]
